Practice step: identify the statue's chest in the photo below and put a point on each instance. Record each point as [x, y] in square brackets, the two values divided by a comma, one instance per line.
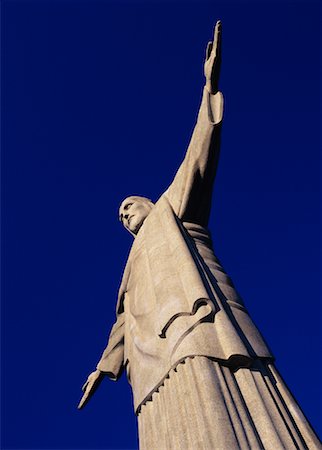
[140, 290]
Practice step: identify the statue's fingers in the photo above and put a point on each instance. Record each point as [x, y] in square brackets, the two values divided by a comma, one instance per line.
[83, 400]
[208, 50]
[217, 37]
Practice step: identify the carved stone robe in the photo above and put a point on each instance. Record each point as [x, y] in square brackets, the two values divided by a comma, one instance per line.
[201, 374]
[175, 299]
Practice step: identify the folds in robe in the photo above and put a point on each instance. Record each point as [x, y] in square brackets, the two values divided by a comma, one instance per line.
[175, 299]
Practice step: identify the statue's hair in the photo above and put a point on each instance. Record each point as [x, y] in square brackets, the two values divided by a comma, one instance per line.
[137, 198]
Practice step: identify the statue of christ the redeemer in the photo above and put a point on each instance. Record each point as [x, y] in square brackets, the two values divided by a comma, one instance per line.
[201, 373]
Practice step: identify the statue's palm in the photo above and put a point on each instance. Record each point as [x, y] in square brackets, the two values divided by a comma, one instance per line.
[90, 386]
[213, 60]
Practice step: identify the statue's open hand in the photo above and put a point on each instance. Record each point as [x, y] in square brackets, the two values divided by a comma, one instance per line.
[92, 383]
[213, 60]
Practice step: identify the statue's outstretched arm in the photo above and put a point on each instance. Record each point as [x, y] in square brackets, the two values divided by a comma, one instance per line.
[111, 363]
[191, 190]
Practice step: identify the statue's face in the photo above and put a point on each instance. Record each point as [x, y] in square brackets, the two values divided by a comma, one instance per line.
[133, 212]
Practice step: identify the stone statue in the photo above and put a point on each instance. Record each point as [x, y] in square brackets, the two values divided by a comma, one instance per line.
[201, 373]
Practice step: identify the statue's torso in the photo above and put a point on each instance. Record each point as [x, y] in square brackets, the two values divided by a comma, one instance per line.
[180, 302]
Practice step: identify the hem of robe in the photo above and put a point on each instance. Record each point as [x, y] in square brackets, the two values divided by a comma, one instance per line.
[234, 362]
[203, 404]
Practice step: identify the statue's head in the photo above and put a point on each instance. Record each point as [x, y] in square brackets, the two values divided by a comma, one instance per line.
[133, 212]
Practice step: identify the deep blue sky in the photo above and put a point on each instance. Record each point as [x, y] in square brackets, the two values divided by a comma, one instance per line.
[99, 102]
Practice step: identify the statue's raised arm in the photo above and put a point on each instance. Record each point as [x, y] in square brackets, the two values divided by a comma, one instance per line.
[189, 195]
[190, 192]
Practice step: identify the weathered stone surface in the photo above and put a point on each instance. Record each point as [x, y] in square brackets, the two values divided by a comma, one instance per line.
[201, 373]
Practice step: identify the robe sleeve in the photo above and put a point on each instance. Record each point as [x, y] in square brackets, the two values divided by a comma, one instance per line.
[112, 360]
[191, 190]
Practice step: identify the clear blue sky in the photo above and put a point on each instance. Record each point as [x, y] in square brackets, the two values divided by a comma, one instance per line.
[99, 102]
